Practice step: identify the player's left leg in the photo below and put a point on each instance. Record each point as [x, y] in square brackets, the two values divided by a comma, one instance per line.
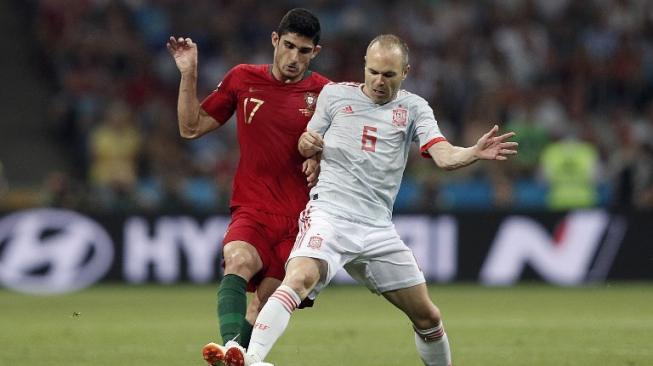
[389, 267]
[430, 338]
[249, 258]
[242, 262]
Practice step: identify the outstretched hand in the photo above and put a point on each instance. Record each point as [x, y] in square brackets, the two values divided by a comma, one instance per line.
[184, 51]
[491, 147]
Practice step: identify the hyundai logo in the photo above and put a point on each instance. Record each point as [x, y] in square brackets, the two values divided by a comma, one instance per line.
[50, 251]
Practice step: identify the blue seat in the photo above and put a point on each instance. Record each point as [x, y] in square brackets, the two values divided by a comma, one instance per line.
[529, 194]
[201, 193]
[467, 194]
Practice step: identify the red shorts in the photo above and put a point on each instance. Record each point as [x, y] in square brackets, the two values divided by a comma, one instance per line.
[272, 235]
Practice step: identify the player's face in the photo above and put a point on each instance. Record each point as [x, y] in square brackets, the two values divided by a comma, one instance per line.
[384, 72]
[292, 55]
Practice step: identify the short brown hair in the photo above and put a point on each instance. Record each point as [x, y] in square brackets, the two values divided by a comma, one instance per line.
[392, 40]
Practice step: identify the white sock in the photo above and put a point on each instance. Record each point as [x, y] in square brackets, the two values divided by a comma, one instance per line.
[272, 321]
[433, 346]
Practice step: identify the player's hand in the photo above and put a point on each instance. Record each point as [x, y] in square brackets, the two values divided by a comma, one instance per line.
[311, 168]
[310, 143]
[184, 51]
[491, 147]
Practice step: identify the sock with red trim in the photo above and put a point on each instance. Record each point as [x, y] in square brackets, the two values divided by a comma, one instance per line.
[433, 346]
[272, 321]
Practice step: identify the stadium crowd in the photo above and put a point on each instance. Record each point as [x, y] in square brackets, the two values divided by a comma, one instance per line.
[574, 79]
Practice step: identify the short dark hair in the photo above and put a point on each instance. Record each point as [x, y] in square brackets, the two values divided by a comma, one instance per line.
[302, 22]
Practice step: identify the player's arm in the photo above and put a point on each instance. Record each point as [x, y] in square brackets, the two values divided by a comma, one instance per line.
[192, 119]
[488, 147]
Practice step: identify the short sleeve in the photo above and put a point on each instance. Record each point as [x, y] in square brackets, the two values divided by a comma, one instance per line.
[322, 117]
[427, 132]
[222, 102]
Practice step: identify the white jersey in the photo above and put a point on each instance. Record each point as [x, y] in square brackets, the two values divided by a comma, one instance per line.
[366, 146]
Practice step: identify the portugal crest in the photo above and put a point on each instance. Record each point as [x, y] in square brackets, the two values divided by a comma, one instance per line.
[399, 116]
[310, 99]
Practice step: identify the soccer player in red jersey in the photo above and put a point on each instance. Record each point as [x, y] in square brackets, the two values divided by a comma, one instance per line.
[273, 104]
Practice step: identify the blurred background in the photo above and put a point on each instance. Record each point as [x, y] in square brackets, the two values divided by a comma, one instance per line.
[97, 188]
[89, 98]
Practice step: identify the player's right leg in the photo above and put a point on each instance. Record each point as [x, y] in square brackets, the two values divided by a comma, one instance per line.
[302, 275]
[264, 290]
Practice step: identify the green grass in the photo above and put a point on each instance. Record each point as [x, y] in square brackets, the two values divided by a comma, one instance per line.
[157, 325]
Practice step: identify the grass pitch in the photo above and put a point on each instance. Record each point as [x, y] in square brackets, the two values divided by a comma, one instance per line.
[158, 325]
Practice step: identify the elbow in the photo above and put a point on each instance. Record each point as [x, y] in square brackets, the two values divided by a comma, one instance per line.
[188, 132]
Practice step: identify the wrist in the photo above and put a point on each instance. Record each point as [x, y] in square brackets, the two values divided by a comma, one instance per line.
[189, 73]
[475, 153]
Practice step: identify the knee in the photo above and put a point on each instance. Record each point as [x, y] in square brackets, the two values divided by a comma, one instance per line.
[428, 318]
[242, 261]
[302, 279]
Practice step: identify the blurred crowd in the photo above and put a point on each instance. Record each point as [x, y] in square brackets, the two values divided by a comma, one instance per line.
[574, 79]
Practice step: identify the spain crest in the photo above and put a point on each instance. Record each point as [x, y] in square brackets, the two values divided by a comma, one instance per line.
[399, 116]
[315, 242]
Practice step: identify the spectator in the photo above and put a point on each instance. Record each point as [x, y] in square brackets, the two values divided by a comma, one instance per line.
[114, 147]
[631, 164]
[546, 67]
[570, 167]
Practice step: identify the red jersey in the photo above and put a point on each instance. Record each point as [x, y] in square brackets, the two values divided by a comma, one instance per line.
[271, 116]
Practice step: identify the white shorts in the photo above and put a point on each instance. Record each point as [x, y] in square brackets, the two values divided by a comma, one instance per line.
[374, 256]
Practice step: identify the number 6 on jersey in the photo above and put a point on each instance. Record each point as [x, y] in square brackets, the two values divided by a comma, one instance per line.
[368, 140]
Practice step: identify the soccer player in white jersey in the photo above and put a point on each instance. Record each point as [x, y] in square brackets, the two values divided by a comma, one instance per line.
[364, 133]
